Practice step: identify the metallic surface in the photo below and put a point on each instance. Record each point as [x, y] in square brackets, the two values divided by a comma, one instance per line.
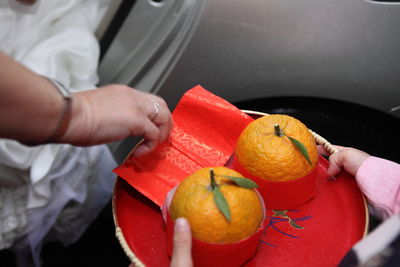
[254, 51]
[347, 50]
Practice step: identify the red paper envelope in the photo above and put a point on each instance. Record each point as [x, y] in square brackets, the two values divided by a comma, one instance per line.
[205, 131]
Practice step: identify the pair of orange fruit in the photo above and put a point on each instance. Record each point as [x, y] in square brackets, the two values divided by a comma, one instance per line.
[220, 204]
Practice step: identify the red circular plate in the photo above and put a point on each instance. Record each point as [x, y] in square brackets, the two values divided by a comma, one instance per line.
[317, 234]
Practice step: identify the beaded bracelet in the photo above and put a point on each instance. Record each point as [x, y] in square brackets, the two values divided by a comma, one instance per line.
[66, 114]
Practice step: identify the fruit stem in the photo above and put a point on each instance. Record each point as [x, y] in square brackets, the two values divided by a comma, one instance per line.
[278, 131]
[212, 177]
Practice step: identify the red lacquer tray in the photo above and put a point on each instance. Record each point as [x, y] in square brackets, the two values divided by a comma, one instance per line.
[317, 234]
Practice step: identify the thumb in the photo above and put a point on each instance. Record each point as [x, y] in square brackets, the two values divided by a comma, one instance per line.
[182, 254]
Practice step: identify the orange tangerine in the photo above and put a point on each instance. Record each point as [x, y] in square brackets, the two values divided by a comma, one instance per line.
[266, 148]
[194, 199]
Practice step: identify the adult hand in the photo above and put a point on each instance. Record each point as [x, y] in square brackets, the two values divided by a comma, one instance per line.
[115, 112]
[33, 111]
[182, 253]
[348, 158]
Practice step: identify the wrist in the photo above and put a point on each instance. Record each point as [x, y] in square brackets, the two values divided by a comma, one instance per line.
[77, 132]
[65, 115]
[46, 110]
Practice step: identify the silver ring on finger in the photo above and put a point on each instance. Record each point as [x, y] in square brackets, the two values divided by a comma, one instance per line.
[157, 108]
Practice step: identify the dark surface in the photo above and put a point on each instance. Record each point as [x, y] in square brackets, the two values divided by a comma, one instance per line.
[115, 25]
[6, 258]
[97, 247]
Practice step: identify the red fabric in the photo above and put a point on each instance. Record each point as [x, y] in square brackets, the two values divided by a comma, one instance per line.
[204, 135]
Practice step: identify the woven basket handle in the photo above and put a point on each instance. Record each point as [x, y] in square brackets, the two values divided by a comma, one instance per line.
[325, 143]
[127, 250]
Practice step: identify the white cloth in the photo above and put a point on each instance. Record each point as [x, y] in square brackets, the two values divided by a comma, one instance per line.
[378, 240]
[55, 38]
[52, 188]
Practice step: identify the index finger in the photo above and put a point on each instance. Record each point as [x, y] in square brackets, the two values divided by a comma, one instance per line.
[164, 119]
[322, 150]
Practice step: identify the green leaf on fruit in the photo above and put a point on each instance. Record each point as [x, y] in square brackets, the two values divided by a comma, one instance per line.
[301, 148]
[241, 181]
[221, 203]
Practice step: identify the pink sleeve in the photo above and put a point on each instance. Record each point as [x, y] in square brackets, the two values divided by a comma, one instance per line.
[379, 180]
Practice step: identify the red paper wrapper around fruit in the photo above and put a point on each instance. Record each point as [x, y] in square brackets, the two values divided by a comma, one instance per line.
[210, 255]
[283, 195]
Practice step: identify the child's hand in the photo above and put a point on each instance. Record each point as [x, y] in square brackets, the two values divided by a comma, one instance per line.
[348, 158]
